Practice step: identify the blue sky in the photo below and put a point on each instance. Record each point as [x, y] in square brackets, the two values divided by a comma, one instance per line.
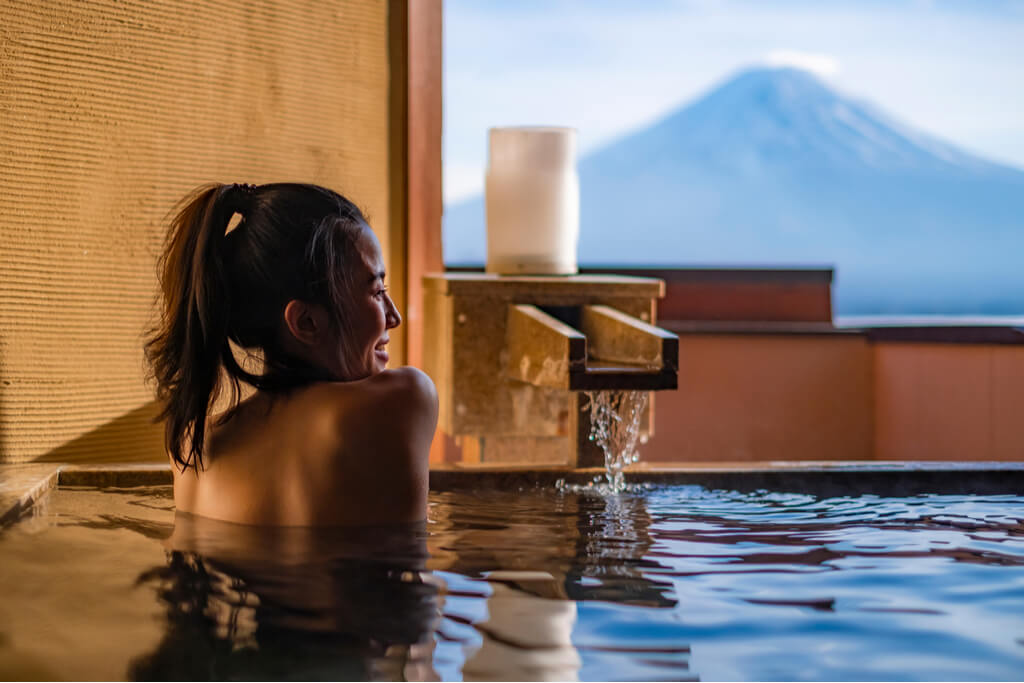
[954, 69]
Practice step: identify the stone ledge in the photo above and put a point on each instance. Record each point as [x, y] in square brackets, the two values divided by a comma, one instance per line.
[115, 476]
[21, 486]
[826, 479]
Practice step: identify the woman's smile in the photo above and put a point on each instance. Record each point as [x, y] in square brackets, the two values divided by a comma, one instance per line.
[381, 351]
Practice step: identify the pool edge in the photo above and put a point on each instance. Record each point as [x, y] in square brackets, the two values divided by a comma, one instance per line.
[22, 486]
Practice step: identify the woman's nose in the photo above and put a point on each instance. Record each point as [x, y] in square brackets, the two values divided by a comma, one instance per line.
[393, 318]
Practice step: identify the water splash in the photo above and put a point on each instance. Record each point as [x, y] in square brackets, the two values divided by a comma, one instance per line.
[615, 428]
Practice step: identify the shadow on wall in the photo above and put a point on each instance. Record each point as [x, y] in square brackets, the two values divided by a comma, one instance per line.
[132, 437]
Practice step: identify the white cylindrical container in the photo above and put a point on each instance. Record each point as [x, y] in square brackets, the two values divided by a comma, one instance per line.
[533, 201]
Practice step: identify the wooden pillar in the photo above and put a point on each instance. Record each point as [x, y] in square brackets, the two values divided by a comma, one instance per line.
[415, 52]
[424, 158]
[398, 170]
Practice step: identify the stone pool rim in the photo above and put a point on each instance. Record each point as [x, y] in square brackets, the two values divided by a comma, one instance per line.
[22, 486]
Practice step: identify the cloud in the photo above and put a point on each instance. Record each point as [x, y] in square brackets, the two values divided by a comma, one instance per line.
[817, 63]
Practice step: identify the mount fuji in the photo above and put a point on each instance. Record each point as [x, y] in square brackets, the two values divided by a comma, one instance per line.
[774, 168]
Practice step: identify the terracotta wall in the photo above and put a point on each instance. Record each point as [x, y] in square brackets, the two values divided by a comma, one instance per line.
[746, 397]
[740, 294]
[949, 401]
[109, 112]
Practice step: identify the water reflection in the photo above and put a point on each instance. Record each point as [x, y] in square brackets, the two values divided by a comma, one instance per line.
[592, 546]
[490, 589]
[525, 584]
[613, 554]
[542, 585]
[290, 603]
[537, 563]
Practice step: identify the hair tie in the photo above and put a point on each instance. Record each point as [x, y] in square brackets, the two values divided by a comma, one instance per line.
[240, 196]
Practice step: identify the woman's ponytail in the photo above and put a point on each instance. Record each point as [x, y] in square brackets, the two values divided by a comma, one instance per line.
[187, 349]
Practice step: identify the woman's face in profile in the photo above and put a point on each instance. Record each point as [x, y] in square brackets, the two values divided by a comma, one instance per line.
[373, 312]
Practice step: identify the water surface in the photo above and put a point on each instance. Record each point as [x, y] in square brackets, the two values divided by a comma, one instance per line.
[675, 583]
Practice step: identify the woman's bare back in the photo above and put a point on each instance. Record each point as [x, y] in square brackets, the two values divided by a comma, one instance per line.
[332, 453]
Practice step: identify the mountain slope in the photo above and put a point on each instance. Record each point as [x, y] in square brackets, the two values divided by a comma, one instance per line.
[774, 168]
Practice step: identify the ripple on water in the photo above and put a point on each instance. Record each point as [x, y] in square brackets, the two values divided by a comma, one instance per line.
[650, 583]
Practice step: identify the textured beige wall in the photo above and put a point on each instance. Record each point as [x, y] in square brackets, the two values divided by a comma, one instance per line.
[109, 112]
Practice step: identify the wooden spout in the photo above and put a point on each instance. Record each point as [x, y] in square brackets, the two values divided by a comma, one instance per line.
[542, 350]
[619, 339]
[613, 351]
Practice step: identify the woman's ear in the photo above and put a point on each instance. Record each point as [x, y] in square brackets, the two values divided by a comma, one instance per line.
[306, 322]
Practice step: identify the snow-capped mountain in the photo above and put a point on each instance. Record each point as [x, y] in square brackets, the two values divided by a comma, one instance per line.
[774, 168]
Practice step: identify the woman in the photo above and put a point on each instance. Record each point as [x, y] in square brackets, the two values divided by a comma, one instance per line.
[329, 437]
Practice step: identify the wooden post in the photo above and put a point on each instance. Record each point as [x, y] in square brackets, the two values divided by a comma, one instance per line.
[424, 170]
[415, 52]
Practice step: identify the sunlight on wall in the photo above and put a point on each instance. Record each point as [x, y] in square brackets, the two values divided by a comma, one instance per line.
[111, 111]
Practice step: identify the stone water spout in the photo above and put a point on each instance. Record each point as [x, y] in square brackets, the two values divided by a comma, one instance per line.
[511, 355]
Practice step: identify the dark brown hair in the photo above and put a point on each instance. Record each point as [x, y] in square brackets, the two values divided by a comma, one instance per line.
[293, 241]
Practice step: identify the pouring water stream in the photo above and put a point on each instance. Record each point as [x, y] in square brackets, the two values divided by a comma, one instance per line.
[615, 428]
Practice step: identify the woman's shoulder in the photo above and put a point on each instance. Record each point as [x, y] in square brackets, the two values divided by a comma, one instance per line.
[405, 386]
[406, 381]
[400, 396]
